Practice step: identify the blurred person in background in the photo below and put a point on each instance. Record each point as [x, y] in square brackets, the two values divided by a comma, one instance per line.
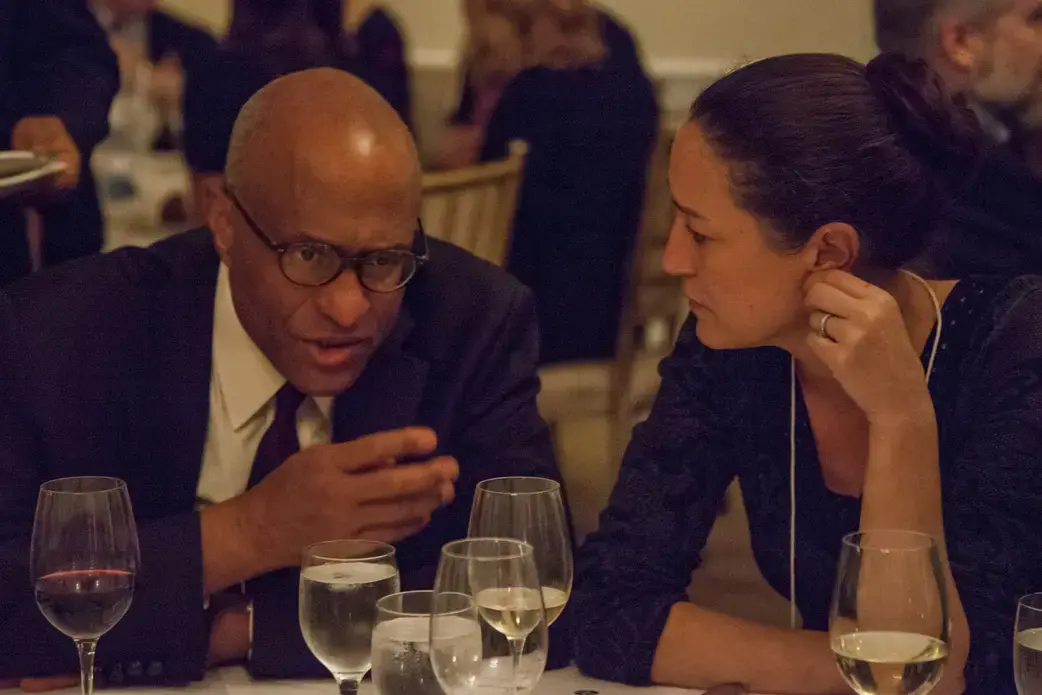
[377, 48]
[145, 37]
[590, 122]
[267, 39]
[990, 52]
[138, 27]
[805, 186]
[57, 81]
[499, 45]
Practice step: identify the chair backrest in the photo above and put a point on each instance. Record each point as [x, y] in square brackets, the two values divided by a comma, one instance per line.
[474, 207]
[653, 311]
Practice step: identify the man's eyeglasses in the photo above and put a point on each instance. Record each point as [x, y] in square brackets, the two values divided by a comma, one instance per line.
[314, 263]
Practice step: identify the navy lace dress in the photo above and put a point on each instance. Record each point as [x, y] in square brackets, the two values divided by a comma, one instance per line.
[722, 414]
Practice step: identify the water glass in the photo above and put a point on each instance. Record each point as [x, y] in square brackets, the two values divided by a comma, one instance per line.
[340, 583]
[401, 641]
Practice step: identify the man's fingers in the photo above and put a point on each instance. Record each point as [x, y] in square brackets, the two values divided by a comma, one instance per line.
[362, 453]
[406, 512]
[408, 481]
[43, 685]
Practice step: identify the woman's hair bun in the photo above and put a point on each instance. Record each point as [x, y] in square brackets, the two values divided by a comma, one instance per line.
[934, 125]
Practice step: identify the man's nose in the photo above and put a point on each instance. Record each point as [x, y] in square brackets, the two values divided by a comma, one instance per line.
[344, 301]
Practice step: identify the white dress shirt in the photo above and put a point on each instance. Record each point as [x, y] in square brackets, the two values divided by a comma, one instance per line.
[243, 384]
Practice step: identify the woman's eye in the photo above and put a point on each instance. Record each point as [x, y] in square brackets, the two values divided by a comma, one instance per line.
[698, 238]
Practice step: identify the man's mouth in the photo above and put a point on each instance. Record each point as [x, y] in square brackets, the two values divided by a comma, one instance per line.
[335, 353]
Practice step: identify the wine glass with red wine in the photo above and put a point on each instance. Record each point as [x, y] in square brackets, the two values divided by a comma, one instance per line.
[84, 560]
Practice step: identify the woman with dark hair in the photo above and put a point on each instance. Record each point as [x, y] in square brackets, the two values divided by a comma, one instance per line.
[806, 189]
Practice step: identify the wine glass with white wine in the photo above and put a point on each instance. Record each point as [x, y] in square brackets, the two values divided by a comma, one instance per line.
[889, 625]
[1027, 645]
[530, 510]
[340, 583]
[487, 593]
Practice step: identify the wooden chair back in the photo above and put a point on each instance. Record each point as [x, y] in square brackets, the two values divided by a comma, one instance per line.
[474, 207]
[653, 311]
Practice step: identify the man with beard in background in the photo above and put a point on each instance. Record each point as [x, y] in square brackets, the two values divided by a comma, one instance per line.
[990, 53]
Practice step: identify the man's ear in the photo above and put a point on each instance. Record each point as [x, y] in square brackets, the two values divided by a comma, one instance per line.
[961, 45]
[218, 207]
[834, 246]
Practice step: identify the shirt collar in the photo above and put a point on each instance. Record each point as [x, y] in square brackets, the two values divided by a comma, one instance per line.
[991, 123]
[246, 378]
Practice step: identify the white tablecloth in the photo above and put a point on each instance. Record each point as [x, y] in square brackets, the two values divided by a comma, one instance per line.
[235, 681]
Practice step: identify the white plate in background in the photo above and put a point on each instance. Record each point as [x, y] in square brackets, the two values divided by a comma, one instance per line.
[20, 170]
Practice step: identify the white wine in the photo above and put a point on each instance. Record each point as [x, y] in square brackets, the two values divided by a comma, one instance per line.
[513, 612]
[338, 610]
[890, 663]
[1027, 661]
[402, 655]
[554, 601]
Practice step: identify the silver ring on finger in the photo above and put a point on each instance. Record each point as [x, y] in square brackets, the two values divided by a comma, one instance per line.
[823, 327]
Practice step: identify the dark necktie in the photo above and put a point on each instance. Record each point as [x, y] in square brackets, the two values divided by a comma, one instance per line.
[280, 441]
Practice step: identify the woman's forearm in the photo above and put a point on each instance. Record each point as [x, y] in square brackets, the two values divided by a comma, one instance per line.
[700, 648]
[903, 491]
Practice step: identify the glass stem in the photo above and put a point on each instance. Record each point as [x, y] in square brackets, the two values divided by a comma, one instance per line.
[517, 650]
[86, 648]
[348, 686]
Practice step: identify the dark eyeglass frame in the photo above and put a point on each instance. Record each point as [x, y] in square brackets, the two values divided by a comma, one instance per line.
[419, 252]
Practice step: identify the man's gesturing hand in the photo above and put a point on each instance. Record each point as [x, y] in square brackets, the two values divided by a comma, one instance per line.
[352, 490]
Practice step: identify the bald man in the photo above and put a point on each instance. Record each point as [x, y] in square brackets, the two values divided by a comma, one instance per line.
[309, 367]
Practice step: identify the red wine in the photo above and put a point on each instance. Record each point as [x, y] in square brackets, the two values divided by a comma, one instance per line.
[85, 604]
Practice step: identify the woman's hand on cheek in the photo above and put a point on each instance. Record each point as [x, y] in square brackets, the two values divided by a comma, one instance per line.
[866, 348]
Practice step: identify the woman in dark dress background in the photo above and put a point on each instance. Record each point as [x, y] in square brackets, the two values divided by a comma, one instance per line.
[589, 116]
[804, 185]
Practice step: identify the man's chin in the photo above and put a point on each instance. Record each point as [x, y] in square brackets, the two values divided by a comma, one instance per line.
[325, 386]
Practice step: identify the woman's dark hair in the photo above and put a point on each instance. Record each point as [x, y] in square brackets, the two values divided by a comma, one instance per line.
[819, 138]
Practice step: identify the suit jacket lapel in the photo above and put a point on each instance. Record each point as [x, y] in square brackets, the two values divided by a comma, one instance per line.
[182, 403]
[387, 394]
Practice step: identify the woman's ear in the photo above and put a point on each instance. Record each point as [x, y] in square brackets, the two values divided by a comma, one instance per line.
[834, 246]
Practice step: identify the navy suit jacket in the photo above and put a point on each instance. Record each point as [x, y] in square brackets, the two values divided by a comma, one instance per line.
[105, 370]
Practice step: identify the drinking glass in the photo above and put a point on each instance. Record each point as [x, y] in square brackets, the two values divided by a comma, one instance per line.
[1027, 645]
[889, 625]
[84, 560]
[401, 640]
[530, 510]
[488, 588]
[340, 583]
